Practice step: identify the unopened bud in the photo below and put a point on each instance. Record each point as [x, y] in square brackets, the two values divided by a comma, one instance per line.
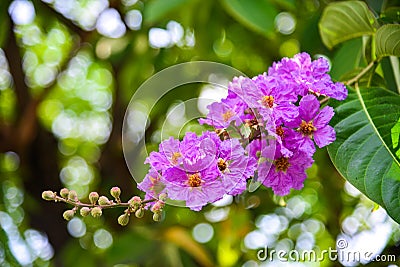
[135, 202]
[157, 217]
[49, 195]
[115, 192]
[96, 212]
[68, 214]
[64, 192]
[162, 197]
[93, 197]
[139, 213]
[72, 195]
[158, 206]
[103, 200]
[123, 219]
[85, 211]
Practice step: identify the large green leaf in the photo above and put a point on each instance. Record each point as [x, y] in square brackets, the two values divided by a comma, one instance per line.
[388, 40]
[256, 15]
[342, 21]
[366, 151]
[347, 58]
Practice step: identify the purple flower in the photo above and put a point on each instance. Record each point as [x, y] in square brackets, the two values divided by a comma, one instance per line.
[235, 166]
[271, 97]
[307, 76]
[169, 155]
[232, 108]
[153, 184]
[286, 173]
[197, 188]
[312, 123]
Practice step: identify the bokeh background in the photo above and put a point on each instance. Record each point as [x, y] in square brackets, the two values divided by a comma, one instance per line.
[67, 72]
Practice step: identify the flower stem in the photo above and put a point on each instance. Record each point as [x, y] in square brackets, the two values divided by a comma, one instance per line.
[112, 205]
[362, 73]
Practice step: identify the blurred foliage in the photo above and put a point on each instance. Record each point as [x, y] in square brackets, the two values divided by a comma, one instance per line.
[67, 72]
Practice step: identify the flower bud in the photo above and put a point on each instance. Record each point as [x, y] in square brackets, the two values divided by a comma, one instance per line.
[139, 213]
[158, 206]
[85, 211]
[93, 197]
[135, 202]
[68, 214]
[96, 212]
[162, 197]
[72, 195]
[64, 192]
[115, 192]
[48, 195]
[157, 217]
[103, 200]
[123, 219]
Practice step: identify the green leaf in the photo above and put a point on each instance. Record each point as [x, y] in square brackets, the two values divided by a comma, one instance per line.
[157, 9]
[347, 58]
[366, 151]
[391, 73]
[388, 40]
[342, 21]
[256, 15]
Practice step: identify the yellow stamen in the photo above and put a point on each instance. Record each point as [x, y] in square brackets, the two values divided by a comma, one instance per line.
[282, 164]
[227, 115]
[194, 180]
[307, 128]
[222, 165]
[268, 101]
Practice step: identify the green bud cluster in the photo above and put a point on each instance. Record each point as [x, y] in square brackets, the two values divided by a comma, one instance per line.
[98, 203]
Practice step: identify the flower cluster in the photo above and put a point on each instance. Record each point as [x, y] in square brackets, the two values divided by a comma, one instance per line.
[266, 127]
[198, 169]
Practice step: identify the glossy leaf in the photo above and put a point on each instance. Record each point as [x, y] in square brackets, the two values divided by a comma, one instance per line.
[342, 21]
[257, 15]
[366, 151]
[347, 58]
[388, 40]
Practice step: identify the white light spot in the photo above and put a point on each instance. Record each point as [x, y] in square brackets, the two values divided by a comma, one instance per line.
[285, 23]
[176, 31]
[133, 19]
[109, 24]
[102, 239]
[22, 12]
[255, 240]
[225, 201]
[203, 232]
[159, 38]
[76, 227]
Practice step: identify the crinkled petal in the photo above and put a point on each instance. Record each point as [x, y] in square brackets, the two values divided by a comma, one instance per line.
[323, 117]
[324, 136]
[309, 107]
